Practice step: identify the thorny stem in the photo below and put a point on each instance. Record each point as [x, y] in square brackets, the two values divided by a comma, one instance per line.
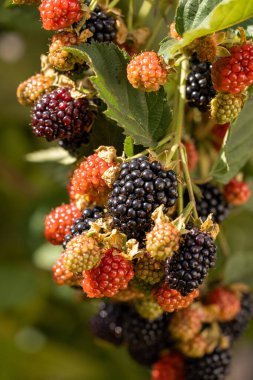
[188, 178]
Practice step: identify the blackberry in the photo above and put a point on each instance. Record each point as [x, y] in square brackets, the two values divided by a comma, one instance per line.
[141, 187]
[141, 334]
[73, 145]
[57, 115]
[199, 88]
[101, 24]
[235, 328]
[108, 323]
[214, 366]
[82, 224]
[188, 268]
[212, 202]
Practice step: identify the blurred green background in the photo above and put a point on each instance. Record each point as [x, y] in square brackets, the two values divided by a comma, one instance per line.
[44, 332]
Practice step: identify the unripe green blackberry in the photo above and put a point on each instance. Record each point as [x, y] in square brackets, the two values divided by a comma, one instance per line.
[82, 253]
[149, 270]
[148, 308]
[163, 240]
[226, 107]
[61, 59]
[141, 286]
[31, 89]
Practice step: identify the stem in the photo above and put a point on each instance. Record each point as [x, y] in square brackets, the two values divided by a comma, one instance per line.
[144, 11]
[223, 243]
[93, 4]
[130, 15]
[188, 179]
[113, 4]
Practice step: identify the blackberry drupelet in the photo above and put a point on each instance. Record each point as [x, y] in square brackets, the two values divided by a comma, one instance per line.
[199, 88]
[141, 187]
[102, 25]
[235, 328]
[212, 202]
[73, 145]
[108, 323]
[57, 115]
[188, 268]
[214, 366]
[82, 224]
[143, 334]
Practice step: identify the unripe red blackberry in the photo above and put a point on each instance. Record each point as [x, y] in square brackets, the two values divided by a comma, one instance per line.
[170, 366]
[235, 328]
[82, 253]
[171, 300]
[59, 58]
[88, 185]
[192, 154]
[199, 88]
[227, 302]
[212, 202]
[101, 24]
[59, 221]
[63, 276]
[82, 224]
[146, 72]
[149, 270]
[148, 308]
[218, 133]
[163, 240]
[227, 107]
[188, 268]
[59, 14]
[140, 188]
[112, 275]
[214, 366]
[234, 73]
[31, 89]
[107, 324]
[237, 192]
[57, 115]
[186, 323]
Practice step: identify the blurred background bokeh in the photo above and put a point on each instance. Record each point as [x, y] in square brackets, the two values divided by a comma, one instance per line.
[44, 329]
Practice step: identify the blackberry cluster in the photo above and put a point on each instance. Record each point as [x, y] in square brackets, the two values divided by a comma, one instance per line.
[212, 202]
[57, 115]
[145, 338]
[214, 366]
[102, 25]
[141, 187]
[73, 145]
[235, 328]
[82, 224]
[188, 268]
[199, 88]
[108, 323]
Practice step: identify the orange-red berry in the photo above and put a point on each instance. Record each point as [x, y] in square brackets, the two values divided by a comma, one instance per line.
[237, 192]
[169, 367]
[227, 301]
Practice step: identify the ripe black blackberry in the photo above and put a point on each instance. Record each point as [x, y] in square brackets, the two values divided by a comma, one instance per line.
[214, 366]
[212, 202]
[74, 145]
[141, 333]
[58, 116]
[102, 25]
[108, 323]
[199, 88]
[82, 224]
[141, 187]
[235, 328]
[188, 267]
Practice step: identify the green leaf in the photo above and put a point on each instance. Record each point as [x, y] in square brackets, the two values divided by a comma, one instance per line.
[197, 18]
[190, 13]
[128, 146]
[145, 117]
[237, 148]
[240, 268]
